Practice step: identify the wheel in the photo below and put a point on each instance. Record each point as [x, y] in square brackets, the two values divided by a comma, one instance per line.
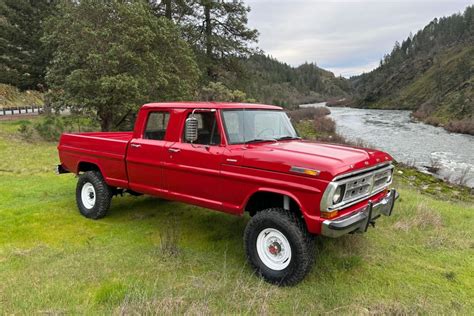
[278, 246]
[93, 195]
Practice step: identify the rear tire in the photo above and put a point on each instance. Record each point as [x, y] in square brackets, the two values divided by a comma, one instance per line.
[93, 195]
[279, 247]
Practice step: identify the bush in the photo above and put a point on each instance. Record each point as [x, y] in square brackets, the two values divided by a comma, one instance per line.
[25, 130]
[465, 126]
[309, 113]
[51, 127]
[324, 125]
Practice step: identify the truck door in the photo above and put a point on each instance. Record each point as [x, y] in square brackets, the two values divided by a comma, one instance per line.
[192, 171]
[145, 155]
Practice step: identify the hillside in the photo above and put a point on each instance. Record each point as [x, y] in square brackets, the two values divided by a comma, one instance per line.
[431, 73]
[268, 80]
[10, 97]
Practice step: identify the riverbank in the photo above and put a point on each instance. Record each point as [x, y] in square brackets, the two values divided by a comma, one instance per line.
[316, 124]
[429, 149]
[452, 125]
[461, 126]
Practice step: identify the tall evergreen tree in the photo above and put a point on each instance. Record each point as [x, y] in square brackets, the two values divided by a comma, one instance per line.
[23, 58]
[217, 29]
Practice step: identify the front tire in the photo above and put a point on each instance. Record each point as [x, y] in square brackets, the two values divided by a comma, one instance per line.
[93, 195]
[278, 246]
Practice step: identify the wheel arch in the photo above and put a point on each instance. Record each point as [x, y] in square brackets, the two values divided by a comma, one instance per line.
[84, 166]
[265, 198]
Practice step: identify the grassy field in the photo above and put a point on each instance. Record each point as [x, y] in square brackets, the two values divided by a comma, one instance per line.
[154, 256]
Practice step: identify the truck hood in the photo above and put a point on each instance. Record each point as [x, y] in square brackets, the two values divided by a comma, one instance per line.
[329, 159]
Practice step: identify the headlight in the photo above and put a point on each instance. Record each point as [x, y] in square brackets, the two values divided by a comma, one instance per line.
[338, 195]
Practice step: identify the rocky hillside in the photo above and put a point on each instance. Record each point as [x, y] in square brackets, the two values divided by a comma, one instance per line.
[431, 73]
[10, 97]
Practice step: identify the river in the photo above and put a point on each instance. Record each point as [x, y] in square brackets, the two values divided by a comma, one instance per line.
[408, 141]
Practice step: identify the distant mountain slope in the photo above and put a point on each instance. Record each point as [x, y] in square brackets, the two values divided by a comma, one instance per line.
[271, 81]
[431, 73]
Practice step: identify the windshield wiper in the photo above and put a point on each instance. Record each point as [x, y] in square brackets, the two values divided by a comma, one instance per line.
[258, 140]
[288, 137]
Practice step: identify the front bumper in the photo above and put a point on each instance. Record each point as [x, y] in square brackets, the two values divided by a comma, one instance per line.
[359, 220]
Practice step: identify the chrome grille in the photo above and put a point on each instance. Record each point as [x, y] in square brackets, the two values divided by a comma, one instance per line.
[360, 186]
[381, 178]
[357, 187]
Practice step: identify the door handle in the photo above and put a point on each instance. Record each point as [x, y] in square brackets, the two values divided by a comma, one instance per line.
[174, 150]
[136, 145]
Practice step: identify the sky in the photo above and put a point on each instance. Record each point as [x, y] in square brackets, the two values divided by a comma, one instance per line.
[346, 37]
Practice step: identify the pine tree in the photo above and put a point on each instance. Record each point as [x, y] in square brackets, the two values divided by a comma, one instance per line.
[217, 29]
[23, 58]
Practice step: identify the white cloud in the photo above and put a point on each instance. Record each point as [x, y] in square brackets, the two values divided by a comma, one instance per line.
[350, 71]
[347, 36]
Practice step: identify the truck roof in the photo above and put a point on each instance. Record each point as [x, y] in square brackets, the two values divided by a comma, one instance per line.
[211, 105]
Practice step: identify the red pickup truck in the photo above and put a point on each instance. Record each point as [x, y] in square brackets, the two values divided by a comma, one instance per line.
[237, 158]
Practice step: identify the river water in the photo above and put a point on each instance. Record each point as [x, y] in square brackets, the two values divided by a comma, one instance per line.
[408, 141]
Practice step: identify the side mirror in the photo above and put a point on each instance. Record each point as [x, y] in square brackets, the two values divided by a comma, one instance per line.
[191, 129]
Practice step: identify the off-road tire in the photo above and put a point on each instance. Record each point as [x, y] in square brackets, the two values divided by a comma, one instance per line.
[300, 240]
[103, 195]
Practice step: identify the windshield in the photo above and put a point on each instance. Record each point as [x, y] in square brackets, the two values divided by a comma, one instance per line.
[243, 126]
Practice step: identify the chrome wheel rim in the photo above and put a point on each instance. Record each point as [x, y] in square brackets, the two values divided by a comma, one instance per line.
[88, 195]
[273, 249]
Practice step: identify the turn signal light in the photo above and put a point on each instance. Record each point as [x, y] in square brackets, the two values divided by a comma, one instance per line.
[307, 171]
[331, 214]
[311, 172]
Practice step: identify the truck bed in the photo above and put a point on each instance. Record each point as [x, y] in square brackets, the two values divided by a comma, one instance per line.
[104, 149]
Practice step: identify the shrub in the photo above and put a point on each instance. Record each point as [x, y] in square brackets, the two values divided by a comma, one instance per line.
[324, 124]
[308, 113]
[25, 130]
[465, 126]
[50, 129]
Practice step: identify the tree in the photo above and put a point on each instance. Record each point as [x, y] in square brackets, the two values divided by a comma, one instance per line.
[225, 31]
[175, 10]
[23, 58]
[217, 29]
[112, 56]
[217, 91]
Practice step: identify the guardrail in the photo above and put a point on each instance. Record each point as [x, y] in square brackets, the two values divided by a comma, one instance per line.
[27, 109]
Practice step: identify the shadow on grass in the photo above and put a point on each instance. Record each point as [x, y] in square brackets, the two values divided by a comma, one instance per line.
[218, 231]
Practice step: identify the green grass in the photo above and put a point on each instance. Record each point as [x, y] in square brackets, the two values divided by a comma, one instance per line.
[53, 260]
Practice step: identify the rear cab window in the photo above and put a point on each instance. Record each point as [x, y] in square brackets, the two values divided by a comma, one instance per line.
[156, 125]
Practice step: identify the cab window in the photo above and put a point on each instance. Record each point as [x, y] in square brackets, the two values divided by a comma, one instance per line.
[208, 130]
[156, 125]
